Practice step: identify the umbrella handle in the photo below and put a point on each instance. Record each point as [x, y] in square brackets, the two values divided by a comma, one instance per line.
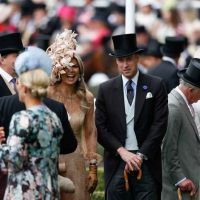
[179, 194]
[126, 180]
[139, 176]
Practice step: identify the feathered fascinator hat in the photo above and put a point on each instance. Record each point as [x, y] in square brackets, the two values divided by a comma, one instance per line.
[33, 58]
[62, 52]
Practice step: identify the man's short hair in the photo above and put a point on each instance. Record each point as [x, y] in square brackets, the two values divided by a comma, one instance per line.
[186, 84]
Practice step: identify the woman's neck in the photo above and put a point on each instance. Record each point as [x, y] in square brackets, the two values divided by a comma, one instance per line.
[30, 102]
[66, 90]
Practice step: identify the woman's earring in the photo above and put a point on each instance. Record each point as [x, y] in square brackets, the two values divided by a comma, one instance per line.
[79, 79]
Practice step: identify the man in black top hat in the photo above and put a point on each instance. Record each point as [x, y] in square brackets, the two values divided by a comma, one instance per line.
[167, 69]
[153, 56]
[10, 46]
[181, 144]
[131, 120]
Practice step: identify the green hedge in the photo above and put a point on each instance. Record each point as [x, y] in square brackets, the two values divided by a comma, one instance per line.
[99, 192]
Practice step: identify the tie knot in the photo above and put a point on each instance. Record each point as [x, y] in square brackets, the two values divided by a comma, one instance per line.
[129, 82]
[13, 80]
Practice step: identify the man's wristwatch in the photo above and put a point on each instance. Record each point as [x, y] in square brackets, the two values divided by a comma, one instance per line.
[142, 156]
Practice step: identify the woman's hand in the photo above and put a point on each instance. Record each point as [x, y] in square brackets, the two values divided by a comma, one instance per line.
[92, 178]
[2, 135]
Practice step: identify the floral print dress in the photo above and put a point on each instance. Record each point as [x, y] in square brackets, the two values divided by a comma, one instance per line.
[31, 155]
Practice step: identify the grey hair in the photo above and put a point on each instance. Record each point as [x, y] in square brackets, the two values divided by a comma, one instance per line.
[188, 85]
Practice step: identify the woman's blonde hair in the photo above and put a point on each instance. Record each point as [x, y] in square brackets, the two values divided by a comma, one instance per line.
[80, 85]
[37, 81]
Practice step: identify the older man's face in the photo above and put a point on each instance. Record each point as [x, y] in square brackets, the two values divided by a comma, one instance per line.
[7, 63]
[128, 65]
[194, 95]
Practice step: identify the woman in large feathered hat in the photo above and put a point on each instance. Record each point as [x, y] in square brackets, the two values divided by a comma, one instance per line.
[68, 87]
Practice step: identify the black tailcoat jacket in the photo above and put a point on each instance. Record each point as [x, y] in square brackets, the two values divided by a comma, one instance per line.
[168, 72]
[11, 104]
[150, 121]
[4, 90]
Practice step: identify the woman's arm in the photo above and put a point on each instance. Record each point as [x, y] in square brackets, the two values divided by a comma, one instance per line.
[90, 133]
[14, 151]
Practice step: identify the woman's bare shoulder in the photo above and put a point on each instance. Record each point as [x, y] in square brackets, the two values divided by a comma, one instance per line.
[89, 96]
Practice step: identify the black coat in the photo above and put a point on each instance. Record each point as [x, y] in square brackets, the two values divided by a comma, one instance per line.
[150, 122]
[11, 104]
[168, 72]
[4, 90]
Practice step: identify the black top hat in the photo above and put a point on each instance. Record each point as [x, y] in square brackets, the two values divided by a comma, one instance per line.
[153, 49]
[191, 74]
[125, 45]
[10, 43]
[173, 45]
[114, 7]
[140, 29]
[39, 6]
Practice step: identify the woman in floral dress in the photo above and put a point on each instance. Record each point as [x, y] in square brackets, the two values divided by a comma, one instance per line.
[32, 148]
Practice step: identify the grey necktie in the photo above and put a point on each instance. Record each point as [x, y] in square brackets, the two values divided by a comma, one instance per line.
[130, 91]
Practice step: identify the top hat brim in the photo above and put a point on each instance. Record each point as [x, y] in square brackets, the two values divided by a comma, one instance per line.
[168, 51]
[11, 50]
[181, 74]
[125, 54]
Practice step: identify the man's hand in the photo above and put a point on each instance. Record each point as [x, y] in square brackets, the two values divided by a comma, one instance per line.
[187, 186]
[2, 135]
[133, 161]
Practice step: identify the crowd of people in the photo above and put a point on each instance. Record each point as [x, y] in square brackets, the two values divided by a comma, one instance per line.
[145, 115]
[39, 22]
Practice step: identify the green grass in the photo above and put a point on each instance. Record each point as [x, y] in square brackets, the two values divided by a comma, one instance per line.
[99, 192]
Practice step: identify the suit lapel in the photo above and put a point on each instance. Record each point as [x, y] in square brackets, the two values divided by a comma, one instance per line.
[186, 110]
[118, 98]
[140, 95]
[6, 87]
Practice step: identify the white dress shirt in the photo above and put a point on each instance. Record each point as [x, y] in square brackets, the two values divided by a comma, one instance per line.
[5, 75]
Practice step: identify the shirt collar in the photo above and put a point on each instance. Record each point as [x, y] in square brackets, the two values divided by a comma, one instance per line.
[182, 94]
[166, 58]
[134, 79]
[5, 75]
[186, 101]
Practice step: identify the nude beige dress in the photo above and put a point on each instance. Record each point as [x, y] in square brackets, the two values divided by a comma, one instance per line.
[80, 119]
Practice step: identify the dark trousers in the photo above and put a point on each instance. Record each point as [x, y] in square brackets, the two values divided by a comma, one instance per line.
[144, 189]
[3, 184]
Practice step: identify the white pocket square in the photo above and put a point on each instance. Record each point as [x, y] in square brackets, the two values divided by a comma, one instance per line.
[149, 95]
